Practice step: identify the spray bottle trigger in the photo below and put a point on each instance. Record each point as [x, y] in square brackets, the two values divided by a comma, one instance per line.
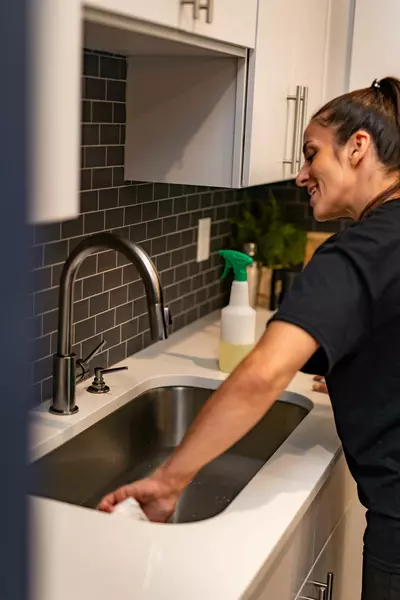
[226, 270]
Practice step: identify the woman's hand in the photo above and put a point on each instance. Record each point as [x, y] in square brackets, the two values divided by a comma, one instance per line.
[156, 497]
[320, 386]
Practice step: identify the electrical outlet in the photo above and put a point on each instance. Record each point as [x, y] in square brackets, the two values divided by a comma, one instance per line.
[203, 239]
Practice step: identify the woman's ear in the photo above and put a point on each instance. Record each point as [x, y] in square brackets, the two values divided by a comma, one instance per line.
[359, 144]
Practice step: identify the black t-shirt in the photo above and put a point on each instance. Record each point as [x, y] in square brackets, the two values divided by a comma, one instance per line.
[348, 299]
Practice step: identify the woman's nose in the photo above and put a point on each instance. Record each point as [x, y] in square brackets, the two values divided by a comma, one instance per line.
[302, 176]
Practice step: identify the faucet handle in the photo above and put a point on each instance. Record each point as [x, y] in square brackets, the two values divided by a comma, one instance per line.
[93, 353]
[98, 371]
[98, 385]
[82, 364]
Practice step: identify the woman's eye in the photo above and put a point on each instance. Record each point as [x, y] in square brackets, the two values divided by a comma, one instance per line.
[310, 157]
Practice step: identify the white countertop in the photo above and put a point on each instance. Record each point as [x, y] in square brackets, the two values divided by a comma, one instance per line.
[82, 554]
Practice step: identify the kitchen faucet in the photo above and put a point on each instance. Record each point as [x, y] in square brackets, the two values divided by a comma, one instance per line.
[67, 369]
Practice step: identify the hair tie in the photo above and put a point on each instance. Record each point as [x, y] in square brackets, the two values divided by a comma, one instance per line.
[376, 85]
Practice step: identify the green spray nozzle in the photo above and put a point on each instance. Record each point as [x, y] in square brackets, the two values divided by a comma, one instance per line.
[238, 262]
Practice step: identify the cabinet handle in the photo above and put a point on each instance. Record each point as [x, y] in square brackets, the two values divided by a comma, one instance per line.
[329, 586]
[302, 124]
[325, 590]
[297, 112]
[209, 7]
[197, 7]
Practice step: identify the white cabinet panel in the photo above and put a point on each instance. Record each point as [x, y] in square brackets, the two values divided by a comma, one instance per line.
[184, 119]
[376, 42]
[271, 73]
[336, 495]
[288, 571]
[291, 51]
[339, 50]
[162, 12]
[327, 538]
[342, 556]
[54, 109]
[232, 21]
[312, 50]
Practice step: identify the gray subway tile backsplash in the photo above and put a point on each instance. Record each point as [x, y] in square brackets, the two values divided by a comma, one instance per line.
[102, 112]
[94, 88]
[89, 201]
[93, 285]
[116, 90]
[111, 67]
[90, 134]
[99, 303]
[91, 64]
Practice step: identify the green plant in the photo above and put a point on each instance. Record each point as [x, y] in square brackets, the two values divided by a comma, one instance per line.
[279, 243]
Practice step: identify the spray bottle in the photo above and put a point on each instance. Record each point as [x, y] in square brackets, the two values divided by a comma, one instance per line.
[238, 319]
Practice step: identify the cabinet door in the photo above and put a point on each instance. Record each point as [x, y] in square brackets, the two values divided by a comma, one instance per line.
[376, 42]
[342, 556]
[162, 12]
[312, 35]
[54, 109]
[291, 51]
[232, 21]
[341, 24]
[269, 130]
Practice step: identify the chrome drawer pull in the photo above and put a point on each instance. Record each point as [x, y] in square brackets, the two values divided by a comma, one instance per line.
[198, 7]
[325, 590]
[297, 98]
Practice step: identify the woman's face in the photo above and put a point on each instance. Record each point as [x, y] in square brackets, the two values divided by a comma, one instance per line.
[327, 174]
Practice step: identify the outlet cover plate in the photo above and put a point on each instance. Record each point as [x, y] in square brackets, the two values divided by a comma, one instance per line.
[203, 239]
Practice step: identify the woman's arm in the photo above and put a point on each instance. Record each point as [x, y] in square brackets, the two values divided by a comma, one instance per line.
[234, 409]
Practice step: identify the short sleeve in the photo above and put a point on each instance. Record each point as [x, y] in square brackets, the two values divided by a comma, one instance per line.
[331, 301]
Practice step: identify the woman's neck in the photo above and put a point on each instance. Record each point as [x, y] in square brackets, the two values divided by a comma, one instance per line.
[376, 192]
[387, 192]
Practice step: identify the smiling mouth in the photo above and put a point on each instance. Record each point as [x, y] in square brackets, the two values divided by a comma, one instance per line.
[311, 191]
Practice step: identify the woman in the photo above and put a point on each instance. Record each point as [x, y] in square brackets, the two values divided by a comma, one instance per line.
[341, 321]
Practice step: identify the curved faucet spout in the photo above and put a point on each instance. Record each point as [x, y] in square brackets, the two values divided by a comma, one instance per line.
[64, 360]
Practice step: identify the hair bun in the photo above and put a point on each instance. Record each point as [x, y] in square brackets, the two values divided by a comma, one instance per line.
[376, 85]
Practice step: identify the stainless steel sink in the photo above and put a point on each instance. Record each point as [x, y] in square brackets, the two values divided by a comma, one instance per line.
[129, 443]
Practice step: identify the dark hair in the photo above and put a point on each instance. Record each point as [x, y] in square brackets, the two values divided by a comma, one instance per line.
[375, 109]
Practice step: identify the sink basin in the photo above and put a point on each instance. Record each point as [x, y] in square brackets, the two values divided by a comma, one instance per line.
[130, 442]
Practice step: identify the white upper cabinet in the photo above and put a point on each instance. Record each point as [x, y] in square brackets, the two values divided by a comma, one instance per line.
[161, 12]
[286, 82]
[376, 42]
[270, 76]
[339, 48]
[228, 122]
[232, 21]
[312, 50]
[54, 109]
[218, 91]
[229, 21]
